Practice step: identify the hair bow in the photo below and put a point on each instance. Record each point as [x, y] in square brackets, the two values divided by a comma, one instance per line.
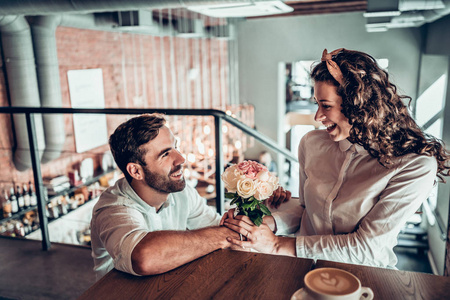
[332, 66]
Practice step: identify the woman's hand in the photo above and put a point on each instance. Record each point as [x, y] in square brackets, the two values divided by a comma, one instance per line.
[279, 196]
[228, 215]
[259, 238]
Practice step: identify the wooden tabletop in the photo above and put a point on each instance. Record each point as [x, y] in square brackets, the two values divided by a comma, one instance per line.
[223, 274]
[396, 284]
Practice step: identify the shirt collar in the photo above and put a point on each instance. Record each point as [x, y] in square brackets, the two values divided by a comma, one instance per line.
[346, 145]
[128, 189]
[166, 204]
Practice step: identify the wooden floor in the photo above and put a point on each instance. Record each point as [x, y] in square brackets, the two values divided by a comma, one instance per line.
[65, 271]
[28, 272]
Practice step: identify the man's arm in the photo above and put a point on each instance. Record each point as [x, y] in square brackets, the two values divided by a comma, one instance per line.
[161, 251]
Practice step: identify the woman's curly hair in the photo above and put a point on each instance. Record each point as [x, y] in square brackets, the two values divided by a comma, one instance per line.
[380, 120]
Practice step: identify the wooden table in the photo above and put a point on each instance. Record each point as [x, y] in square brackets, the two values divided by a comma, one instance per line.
[396, 284]
[227, 274]
[223, 274]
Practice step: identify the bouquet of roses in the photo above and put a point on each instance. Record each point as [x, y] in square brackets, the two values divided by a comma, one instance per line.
[248, 184]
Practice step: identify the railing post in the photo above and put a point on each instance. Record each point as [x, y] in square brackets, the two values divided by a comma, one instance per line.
[38, 184]
[220, 191]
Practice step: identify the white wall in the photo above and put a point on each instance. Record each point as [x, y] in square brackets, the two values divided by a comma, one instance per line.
[264, 43]
[435, 62]
[433, 67]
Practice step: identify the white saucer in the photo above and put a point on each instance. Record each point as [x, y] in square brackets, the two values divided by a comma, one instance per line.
[300, 295]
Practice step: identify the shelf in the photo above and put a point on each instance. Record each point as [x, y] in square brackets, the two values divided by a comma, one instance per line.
[68, 227]
[97, 175]
[51, 220]
[18, 214]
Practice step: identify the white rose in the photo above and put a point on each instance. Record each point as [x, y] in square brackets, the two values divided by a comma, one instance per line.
[230, 178]
[274, 181]
[263, 175]
[263, 190]
[246, 187]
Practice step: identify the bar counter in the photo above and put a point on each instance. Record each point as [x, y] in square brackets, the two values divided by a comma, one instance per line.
[223, 274]
[228, 274]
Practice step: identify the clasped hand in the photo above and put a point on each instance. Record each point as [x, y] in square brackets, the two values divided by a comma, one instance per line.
[260, 238]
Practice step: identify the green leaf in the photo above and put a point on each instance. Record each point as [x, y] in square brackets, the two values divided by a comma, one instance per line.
[257, 221]
[265, 210]
[230, 195]
[234, 201]
[246, 205]
[254, 204]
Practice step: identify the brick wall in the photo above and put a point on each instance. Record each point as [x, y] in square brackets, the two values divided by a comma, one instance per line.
[138, 71]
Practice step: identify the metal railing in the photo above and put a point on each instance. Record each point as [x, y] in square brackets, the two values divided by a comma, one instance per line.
[219, 117]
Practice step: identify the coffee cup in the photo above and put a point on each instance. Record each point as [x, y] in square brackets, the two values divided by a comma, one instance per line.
[332, 284]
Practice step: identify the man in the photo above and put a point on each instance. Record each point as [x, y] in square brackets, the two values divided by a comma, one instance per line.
[139, 225]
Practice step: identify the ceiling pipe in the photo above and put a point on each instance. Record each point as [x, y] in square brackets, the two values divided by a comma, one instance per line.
[43, 29]
[49, 7]
[23, 88]
[43, 32]
[33, 78]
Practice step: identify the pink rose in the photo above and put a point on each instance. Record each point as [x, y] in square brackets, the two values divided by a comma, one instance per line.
[251, 173]
[260, 167]
[250, 168]
[243, 166]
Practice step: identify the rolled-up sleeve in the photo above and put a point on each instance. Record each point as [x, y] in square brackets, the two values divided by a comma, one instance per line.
[120, 229]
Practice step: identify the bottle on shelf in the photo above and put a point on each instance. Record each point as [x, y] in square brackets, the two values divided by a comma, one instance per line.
[20, 199]
[7, 207]
[60, 205]
[26, 196]
[13, 199]
[27, 225]
[19, 229]
[33, 198]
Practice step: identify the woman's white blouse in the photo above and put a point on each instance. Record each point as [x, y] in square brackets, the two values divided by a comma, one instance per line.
[351, 207]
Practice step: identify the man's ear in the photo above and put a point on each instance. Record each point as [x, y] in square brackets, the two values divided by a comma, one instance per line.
[135, 170]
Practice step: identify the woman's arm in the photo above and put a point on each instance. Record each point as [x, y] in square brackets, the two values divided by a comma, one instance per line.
[376, 235]
[373, 240]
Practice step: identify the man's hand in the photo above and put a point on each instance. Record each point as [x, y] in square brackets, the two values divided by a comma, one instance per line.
[259, 238]
[278, 197]
[228, 215]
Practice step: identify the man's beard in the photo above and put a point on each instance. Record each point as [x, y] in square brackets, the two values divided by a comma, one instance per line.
[163, 183]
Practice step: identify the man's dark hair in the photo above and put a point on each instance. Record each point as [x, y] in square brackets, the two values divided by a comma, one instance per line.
[127, 139]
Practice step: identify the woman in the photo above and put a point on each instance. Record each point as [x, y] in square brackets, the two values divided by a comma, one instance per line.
[360, 179]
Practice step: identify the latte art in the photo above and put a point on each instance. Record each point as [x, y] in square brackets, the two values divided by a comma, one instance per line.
[332, 283]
